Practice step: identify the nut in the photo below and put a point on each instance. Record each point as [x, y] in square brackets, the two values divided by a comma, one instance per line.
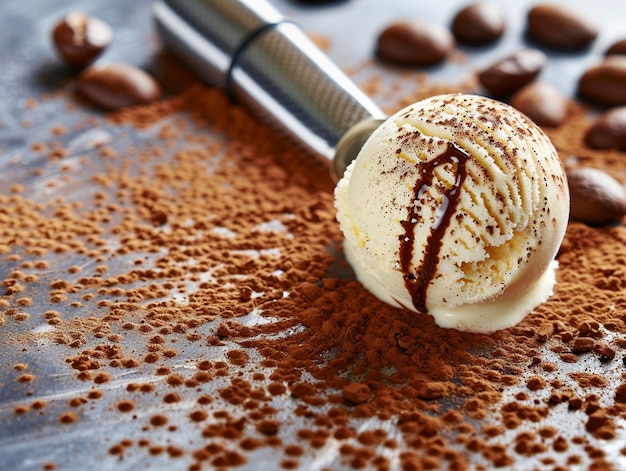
[609, 130]
[510, 74]
[596, 198]
[478, 23]
[117, 86]
[80, 38]
[605, 83]
[414, 43]
[559, 27]
[542, 103]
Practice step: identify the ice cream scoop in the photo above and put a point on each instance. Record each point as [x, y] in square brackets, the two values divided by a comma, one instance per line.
[456, 206]
[266, 63]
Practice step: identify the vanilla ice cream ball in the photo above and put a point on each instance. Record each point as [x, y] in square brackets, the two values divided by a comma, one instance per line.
[456, 206]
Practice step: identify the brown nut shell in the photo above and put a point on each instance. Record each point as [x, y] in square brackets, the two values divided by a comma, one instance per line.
[80, 38]
[542, 103]
[559, 27]
[609, 130]
[414, 43]
[478, 23]
[508, 75]
[596, 198]
[605, 83]
[117, 85]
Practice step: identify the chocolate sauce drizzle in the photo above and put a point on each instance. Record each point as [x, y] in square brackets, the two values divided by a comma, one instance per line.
[417, 283]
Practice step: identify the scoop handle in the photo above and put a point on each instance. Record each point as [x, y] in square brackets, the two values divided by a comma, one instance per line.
[268, 64]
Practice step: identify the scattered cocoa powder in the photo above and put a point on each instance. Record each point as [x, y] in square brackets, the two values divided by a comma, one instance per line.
[94, 394]
[68, 417]
[234, 257]
[125, 406]
[158, 420]
[25, 378]
[357, 393]
[77, 401]
[20, 409]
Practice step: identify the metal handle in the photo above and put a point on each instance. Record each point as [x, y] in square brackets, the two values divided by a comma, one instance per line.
[268, 64]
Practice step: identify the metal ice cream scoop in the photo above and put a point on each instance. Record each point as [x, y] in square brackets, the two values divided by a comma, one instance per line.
[266, 63]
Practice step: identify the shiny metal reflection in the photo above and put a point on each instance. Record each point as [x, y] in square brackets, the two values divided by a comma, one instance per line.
[268, 64]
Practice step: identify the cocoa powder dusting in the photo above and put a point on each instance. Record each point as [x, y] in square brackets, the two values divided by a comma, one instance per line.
[207, 262]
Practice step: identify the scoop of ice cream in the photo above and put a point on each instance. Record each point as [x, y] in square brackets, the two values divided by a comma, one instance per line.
[456, 206]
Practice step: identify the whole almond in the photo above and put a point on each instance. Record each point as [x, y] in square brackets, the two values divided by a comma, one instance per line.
[596, 198]
[609, 130]
[117, 86]
[80, 38]
[559, 27]
[508, 75]
[478, 23]
[414, 43]
[605, 83]
[542, 103]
